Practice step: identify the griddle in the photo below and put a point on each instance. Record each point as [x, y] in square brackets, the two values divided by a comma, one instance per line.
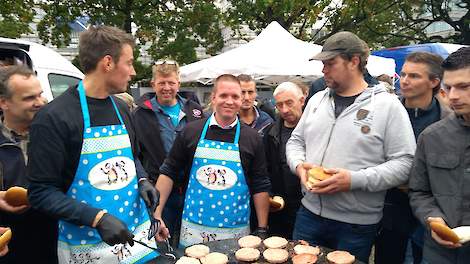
[230, 246]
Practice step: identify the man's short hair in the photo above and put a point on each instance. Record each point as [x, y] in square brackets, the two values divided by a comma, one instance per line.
[245, 78]
[6, 73]
[99, 41]
[165, 67]
[224, 77]
[432, 61]
[457, 60]
[289, 87]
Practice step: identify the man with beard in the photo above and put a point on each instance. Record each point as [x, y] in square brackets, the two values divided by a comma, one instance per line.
[362, 137]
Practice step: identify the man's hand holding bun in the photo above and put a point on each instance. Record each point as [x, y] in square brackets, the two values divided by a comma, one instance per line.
[339, 181]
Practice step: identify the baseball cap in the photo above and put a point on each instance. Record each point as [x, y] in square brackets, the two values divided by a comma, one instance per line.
[343, 42]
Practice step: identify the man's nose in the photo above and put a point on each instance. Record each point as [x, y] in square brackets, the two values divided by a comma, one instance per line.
[452, 93]
[40, 101]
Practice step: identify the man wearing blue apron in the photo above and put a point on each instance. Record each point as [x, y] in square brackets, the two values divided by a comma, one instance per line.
[82, 167]
[225, 168]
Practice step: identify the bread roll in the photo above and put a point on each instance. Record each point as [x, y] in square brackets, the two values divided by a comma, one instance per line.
[275, 255]
[463, 232]
[249, 241]
[275, 242]
[444, 232]
[5, 238]
[16, 196]
[247, 254]
[318, 174]
[304, 259]
[197, 251]
[276, 202]
[340, 257]
[304, 249]
[214, 258]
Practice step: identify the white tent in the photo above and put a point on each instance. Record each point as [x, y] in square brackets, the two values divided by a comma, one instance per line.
[272, 57]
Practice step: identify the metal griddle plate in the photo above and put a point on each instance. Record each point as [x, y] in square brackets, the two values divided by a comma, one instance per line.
[230, 246]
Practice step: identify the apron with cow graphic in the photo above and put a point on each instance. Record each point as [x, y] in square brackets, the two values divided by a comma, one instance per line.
[105, 178]
[217, 202]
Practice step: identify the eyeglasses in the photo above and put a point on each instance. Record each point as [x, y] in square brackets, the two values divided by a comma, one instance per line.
[169, 62]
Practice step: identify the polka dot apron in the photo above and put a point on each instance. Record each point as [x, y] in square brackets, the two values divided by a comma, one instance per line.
[217, 202]
[105, 178]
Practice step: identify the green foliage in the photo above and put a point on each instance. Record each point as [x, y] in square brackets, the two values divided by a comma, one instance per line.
[15, 16]
[381, 23]
[162, 25]
[297, 16]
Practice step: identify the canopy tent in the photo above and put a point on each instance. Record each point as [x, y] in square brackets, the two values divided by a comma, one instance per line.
[272, 57]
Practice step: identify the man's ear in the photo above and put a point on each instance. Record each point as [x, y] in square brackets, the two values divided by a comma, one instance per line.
[355, 61]
[302, 100]
[106, 64]
[435, 82]
[3, 103]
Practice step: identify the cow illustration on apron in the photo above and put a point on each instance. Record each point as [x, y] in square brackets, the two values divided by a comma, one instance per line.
[105, 178]
[217, 202]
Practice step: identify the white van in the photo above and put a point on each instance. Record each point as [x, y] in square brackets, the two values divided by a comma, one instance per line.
[54, 72]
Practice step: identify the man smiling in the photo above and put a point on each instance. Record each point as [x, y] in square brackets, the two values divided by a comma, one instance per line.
[224, 167]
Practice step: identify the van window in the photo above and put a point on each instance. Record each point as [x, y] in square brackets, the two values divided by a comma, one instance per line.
[59, 83]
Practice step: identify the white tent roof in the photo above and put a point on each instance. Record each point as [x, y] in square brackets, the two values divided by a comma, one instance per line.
[272, 57]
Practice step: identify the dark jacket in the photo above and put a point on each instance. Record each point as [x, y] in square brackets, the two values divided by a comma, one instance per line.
[287, 186]
[34, 235]
[440, 184]
[283, 182]
[262, 121]
[397, 211]
[147, 130]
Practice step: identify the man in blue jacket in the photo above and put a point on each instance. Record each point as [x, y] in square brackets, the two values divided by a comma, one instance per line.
[159, 118]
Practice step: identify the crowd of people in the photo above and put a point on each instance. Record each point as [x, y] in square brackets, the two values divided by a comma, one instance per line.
[108, 181]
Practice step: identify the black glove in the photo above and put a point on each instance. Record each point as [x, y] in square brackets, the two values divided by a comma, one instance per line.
[113, 231]
[150, 194]
[261, 232]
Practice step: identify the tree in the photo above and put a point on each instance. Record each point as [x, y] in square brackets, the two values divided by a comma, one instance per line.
[15, 16]
[453, 13]
[381, 23]
[171, 28]
[297, 16]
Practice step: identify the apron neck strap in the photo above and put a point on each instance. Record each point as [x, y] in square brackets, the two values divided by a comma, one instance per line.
[84, 106]
[237, 133]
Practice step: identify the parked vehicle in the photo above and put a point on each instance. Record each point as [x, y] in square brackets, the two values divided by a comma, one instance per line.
[54, 72]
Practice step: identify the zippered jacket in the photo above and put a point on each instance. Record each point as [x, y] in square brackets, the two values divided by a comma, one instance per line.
[372, 138]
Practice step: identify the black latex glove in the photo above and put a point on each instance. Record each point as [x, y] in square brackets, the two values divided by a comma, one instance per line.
[113, 231]
[150, 194]
[261, 232]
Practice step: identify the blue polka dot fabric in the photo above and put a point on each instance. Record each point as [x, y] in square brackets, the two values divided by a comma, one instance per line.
[106, 179]
[217, 202]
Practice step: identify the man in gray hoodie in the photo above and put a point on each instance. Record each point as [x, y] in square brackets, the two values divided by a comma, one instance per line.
[359, 134]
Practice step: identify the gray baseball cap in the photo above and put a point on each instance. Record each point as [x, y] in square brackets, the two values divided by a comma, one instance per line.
[343, 42]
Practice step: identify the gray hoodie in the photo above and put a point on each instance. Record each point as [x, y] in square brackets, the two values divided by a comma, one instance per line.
[372, 138]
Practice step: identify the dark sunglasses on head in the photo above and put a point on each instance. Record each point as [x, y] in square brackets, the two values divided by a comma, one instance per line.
[169, 62]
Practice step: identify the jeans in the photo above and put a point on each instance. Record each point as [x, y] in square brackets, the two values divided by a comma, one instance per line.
[317, 230]
[414, 250]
